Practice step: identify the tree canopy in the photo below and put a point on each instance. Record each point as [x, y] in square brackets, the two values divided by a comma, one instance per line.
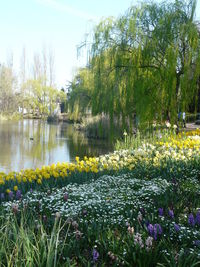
[79, 94]
[146, 62]
[33, 92]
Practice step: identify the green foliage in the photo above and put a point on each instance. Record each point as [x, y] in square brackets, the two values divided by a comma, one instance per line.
[8, 96]
[100, 213]
[149, 135]
[41, 99]
[79, 95]
[145, 63]
[99, 127]
[147, 215]
[33, 93]
[24, 243]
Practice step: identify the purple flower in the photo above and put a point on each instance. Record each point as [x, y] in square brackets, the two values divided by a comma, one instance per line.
[197, 220]
[2, 196]
[191, 219]
[197, 243]
[150, 229]
[174, 181]
[65, 197]
[157, 230]
[44, 217]
[95, 255]
[171, 213]
[161, 211]
[84, 212]
[142, 210]
[11, 195]
[18, 194]
[15, 208]
[177, 227]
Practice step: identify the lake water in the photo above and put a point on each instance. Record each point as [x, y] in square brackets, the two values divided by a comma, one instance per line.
[34, 143]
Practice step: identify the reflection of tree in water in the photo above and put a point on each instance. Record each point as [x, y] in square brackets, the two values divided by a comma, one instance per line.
[79, 145]
[33, 143]
[17, 147]
[44, 141]
[6, 139]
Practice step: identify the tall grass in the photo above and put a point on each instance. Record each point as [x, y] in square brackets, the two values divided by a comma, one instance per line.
[151, 135]
[29, 243]
[100, 127]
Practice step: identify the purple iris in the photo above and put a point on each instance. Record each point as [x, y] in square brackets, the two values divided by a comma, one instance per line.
[95, 255]
[2, 196]
[198, 217]
[161, 211]
[191, 219]
[157, 230]
[177, 227]
[11, 195]
[197, 243]
[150, 229]
[18, 194]
[171, 213]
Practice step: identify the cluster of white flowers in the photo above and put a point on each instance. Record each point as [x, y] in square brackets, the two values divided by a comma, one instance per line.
[149, 243]
[138, 240]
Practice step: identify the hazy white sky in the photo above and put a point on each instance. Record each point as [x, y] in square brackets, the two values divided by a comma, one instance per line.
[58, 24]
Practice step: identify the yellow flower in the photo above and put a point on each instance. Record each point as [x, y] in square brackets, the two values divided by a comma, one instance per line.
[2, 181]
[15, 188]
[125, 133]
[8, 191]
[105, 166]
[87, 169]
[39, 181]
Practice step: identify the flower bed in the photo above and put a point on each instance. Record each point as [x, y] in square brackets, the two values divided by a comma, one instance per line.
[185, 147]
[133, 207]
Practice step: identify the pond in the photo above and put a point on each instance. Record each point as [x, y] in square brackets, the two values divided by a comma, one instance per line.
[34, 143]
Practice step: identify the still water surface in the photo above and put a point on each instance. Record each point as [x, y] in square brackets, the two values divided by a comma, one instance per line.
[34, 143]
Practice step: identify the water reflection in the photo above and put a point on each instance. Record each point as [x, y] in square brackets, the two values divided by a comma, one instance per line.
[33, 143]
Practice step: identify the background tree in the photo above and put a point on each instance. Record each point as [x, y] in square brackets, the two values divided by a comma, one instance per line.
[41, 99]
[146, 62]
[79, 93]
[38, 92]
[8, 97]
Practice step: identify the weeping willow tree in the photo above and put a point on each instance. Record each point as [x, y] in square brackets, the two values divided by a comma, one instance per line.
[147, 62]
[79, 96]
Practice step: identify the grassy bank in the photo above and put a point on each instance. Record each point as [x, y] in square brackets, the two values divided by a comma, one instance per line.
[8, 116]
[100, 127]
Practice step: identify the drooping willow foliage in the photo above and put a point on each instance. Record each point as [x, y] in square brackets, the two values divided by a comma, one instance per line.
[146, 63]
[80, 92]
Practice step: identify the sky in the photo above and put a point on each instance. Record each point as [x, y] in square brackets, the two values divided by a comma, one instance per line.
[59, 25]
